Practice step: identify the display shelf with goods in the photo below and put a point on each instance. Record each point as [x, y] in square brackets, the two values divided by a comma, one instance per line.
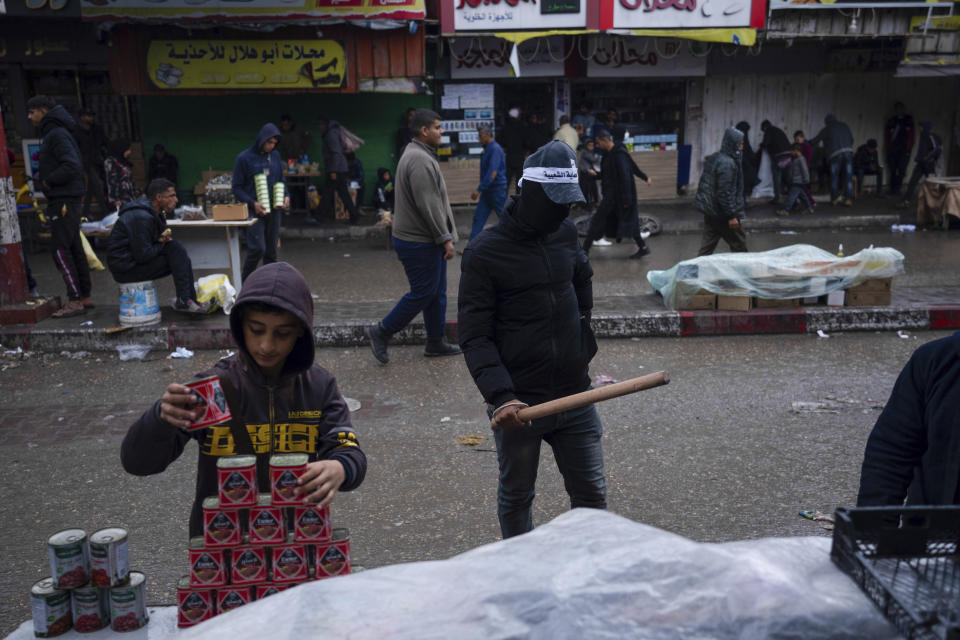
[464, 107]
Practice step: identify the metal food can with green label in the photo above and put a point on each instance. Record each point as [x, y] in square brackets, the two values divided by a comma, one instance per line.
[69, 562]
[109, 557]
[128, 604]
[90, 609]
[50, 609]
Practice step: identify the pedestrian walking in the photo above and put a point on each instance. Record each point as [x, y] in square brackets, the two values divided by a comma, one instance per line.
[617, 215]
[776, 144]
[424, 233]
[720, 196]
[566, 133]
[261, 158]
[837, 140]
[524, 309]
[61, 178]
[798, 179]
[898, 138]
[589, 170]
[751, 161]
[337, 170]
[92, 142]
[121, 188]
[929, 149]
[491, 193]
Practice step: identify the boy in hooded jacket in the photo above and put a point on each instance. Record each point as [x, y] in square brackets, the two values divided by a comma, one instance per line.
[384, 190]
[279, 399]
[261, 157]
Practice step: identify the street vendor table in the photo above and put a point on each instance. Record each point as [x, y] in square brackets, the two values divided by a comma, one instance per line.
[212, 244]
[939, 198]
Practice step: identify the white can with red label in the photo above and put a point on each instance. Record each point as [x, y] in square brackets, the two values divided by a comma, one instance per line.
[128, 604]
[109, 557]
[91, 611]
[69, 562]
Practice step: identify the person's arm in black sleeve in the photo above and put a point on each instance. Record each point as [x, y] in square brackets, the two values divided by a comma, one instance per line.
[637, 171]
[69, 163]
[476, 304]
[624, 178]
[897, 442]
[725, 186]
[583, 282]
[143, 246]
[151, 444]
[340, 440]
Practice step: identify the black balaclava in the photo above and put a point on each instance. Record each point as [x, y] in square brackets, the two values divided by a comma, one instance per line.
[538, 212]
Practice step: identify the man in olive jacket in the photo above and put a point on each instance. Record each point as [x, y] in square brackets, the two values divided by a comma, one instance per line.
[423, 236]
[720, 196]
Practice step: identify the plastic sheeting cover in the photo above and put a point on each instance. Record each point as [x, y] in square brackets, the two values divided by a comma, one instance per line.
[587, 574]
[796, 271]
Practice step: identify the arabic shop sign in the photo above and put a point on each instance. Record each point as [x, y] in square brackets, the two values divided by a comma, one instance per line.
[261, 10]
[246, 64]
[506, 15]
[487, 57]
[680, 14]
[643, 58]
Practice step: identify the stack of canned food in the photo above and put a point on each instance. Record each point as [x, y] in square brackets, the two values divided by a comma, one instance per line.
[90, 585]
[257, 544]
[263, 192]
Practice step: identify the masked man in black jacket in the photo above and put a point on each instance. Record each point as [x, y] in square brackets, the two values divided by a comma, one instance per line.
[524, 324]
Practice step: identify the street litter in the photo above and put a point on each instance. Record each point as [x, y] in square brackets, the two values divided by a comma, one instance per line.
[471, 440]
[603, 379]
[353, 405]
[825, 521]
[812, 407]
[787, 233]
[445, 419]
[88, 323]
[181, 352]
[903, 227]
[346, 255]
[132, 351]
[821, 333]
[901, 333]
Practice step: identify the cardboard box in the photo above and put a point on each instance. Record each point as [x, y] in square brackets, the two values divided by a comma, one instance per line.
[229, 211]
[777, 303]
[836, 298]
[867, 298]
[878, 285]
[702, 300]
[734, 303]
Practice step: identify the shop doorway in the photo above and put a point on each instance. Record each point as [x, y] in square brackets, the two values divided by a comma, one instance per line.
[533, 98]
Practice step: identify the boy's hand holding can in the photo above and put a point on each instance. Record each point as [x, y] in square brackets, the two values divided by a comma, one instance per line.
[321, 481]
[178, 406]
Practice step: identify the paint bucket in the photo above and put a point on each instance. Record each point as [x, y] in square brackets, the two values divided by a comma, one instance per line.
[138, 304]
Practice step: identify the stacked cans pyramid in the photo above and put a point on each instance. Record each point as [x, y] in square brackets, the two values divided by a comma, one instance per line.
[263, 191]
[257, 544]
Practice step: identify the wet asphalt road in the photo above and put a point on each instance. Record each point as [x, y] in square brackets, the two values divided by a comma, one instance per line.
[719, 454]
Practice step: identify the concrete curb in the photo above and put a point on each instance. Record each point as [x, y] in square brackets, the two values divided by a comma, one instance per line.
[649, 324]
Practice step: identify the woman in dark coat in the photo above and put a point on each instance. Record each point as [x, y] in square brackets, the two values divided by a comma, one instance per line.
[751, 162]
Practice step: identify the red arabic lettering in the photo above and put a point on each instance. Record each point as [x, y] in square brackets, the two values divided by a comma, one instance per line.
[656, 5]
[473, 4]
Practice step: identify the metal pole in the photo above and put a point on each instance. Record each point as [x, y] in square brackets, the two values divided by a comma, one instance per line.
[13, 277]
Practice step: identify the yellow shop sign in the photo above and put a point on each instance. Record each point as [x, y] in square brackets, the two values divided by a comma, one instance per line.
[246, 64]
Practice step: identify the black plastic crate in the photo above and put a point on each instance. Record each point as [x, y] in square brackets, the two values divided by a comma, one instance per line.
[907, 560]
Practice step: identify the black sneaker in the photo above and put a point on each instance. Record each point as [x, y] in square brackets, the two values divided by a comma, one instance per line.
[378, 343]
[193, 307]
[440, 347]
[640, 253]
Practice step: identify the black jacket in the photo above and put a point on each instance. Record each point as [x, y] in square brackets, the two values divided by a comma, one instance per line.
[134, 238]
[775, 142]
[913, 451]
[720, 191]
[751, 163]
[619, 204]
[524, 309]
[61, 165]
[301, 412]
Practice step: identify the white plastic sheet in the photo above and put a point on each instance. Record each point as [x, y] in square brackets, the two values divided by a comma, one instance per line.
[796, 271]
[764, 188]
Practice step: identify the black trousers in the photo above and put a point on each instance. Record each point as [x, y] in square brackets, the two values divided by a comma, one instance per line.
[514, 172]
[66, 246]
[897, 161]
[715, 230]
[173, 259]
[339, 186]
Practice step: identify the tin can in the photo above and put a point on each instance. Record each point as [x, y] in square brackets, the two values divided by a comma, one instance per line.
[285, 469]
[262, 591]
[232, 597]
[333, 558]
[109, 557]
[237, 481]
[90, 609]
[311, 523]
[221, 527]
[289, 562]
[266, 522]
[69, 562]
[210, 398]
[50, 609]
[248, 565]
[194, 605]
[128, 604]
[208, 567]
[279, 193]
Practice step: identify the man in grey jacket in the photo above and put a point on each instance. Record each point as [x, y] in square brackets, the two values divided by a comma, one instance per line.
[720, 195]
[423, 236]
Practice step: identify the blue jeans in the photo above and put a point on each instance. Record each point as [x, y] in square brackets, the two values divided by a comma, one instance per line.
[493, 200]
[842, 161]
[427, 274]
[797, 191]
[262, 239]
[575, 438]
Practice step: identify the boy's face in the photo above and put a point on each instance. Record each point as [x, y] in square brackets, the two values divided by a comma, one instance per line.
[386, 175]
[270, 144]
[588, 145]
[798, 139]
[270, 337]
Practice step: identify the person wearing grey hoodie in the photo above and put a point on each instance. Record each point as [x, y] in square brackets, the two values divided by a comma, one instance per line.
[720, 195]
[837, 142]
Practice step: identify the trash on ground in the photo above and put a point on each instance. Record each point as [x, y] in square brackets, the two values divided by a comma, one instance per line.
[798, 406]
[903, 334]
[352, 404]
[471, 440]
[787, 233]
[822, 334]
[445, 419]
[346, 255]
[603, 379]
[132, 351]
[87, 323]
[903, 227]
[181, 352]
[824, 520]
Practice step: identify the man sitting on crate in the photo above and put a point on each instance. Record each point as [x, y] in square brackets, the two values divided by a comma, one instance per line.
[141, 246]
[913, 452]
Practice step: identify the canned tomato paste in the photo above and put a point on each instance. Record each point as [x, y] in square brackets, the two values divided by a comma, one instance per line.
[261, 591]
[237, 479]
[50, 608]
[266, 522]
[248, 565]
[69, 562]
[211, 400]
[194, 605]
[208, 567]
[333, 558]
[289, 562]
[90, 609]
[232, 597]
[285, 469]
[311, 523]
[221, 527]
[109, 558]
[128, 604]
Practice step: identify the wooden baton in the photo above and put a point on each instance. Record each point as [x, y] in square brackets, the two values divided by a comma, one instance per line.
[599, 394]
